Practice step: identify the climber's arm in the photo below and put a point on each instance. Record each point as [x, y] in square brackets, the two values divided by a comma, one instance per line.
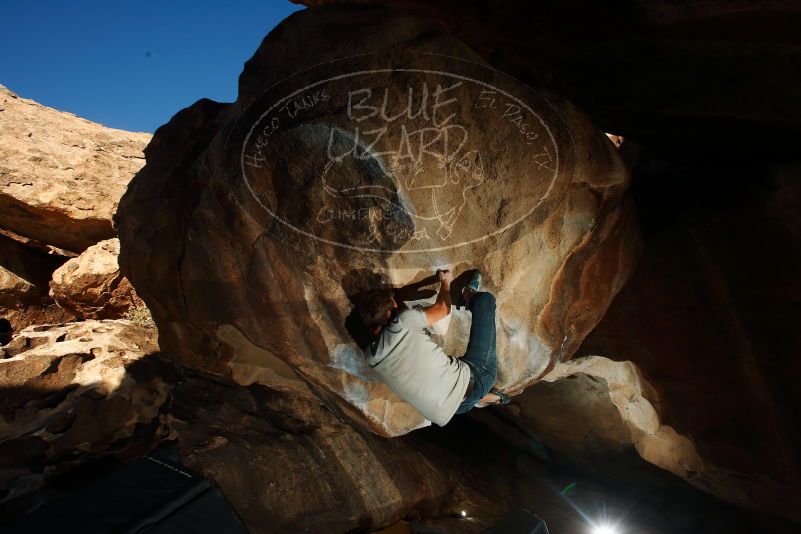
[442, 306]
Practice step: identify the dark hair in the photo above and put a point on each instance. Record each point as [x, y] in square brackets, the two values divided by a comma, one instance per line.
[373, 306]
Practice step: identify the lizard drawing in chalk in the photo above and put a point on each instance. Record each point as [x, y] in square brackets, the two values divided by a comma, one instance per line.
[432, 188]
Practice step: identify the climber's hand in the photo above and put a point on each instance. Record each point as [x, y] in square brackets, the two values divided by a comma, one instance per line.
[442, 307]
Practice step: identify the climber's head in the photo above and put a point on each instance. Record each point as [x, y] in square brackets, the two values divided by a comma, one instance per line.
[376, 308]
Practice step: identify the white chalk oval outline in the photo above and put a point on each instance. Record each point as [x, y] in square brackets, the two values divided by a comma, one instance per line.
[422, 71]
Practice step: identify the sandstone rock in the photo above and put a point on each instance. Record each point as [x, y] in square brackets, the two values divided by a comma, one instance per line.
[709, 321]
[601, 415]
[61, 176]
[78, 393]
[248, 250]
[32, 315]
[735, 65]
[74, 392]
[617, 140]
[91, 285]
[36, 245]
[14, 289]
[288, 465]
[24, 275]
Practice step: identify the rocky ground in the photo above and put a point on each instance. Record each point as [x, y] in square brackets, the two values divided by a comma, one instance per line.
[83, 397]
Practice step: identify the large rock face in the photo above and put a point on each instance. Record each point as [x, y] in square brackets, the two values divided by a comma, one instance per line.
[61, 176]
[710, 319]
[694, 367]
[253, 224]
[602, 415]
[689, 77]
[91, 285]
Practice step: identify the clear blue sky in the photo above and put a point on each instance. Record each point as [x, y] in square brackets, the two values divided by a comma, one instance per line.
[130, 65]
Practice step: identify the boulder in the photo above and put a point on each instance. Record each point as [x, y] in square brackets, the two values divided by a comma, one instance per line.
[694, 367]
[15, 289]
[254, 224]
[24, 274]
[601, 415]
[689, 77]
[76, 392]
[61, 176]
[289, 465]
[91, 285]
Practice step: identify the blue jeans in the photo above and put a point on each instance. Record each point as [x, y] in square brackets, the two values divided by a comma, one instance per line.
[480, 355]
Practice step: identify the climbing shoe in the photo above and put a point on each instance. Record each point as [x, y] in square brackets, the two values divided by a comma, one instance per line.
[503, 397]
[473, 285]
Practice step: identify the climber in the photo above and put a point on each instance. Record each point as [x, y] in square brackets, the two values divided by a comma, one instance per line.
[416, 368]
